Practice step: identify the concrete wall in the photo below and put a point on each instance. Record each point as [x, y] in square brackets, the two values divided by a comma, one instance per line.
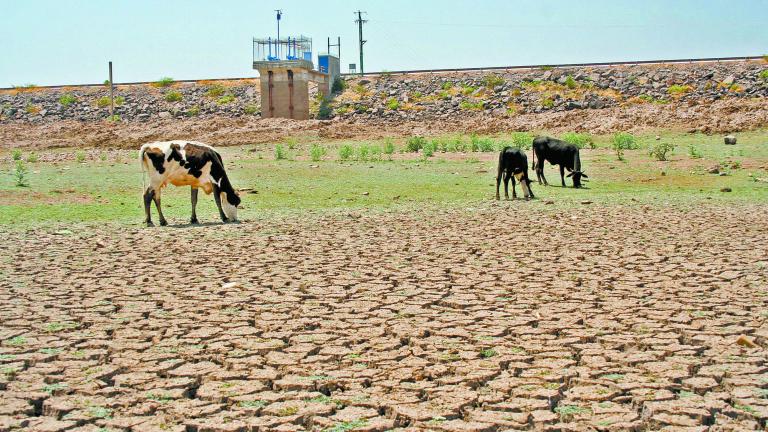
[279, 98]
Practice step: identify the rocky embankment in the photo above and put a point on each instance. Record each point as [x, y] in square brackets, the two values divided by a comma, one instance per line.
[704, 97]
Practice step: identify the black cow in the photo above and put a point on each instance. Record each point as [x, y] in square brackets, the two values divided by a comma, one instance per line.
[557, 152]
[514, 164]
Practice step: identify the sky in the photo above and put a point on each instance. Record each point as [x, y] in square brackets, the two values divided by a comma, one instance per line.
[52, 42]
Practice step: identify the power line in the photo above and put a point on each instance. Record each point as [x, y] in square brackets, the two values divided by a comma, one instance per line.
[360, 21]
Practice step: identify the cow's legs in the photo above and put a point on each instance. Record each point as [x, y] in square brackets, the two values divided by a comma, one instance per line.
[156, 198]
[506, 185]
[540, 172]
[514, 188]
[193, 219]
[217, 198]
[148, 196]
[562, 174]
[527, 186]
[498, 183]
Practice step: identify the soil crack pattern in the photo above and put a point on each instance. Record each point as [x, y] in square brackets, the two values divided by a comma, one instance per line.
[611, 318]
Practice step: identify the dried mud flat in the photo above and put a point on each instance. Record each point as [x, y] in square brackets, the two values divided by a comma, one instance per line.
[506, 317]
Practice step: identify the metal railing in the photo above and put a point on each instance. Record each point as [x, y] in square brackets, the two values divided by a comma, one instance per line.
[475, 69]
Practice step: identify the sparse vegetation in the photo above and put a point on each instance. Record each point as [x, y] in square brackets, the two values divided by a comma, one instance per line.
[228, 98]
[694, 152]
[678, 89]
[119, 101]
[623, 141]
[103, 102]
[67, 99]
[547, 103]
[16, 154]
[472, 106]
[428, 150]
[580, 140]
[193, 111]
[347, 426]
[389, 147]
[493, 80]
[661, 149]
[487, 353]
[279, 152]
[345, 152]
[32, 158]
[32, 109]
[173, 96]
[570, 82]
[522, 140]
[764, 75]
[215, 91]
[362, 152]
[414, 144]
[20, 173]
[164, 82]
[251, 109]
[393, 104]
[80, 156]
[447, 85]
[339, 85]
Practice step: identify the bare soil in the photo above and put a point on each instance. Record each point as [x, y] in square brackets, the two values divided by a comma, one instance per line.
[499, 317]
[721, 116]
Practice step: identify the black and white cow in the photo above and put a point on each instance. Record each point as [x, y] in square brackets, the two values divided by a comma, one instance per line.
[513, 164]
[187, 163]
[557, 152]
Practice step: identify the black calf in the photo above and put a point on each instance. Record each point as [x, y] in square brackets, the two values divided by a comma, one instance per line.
[514, 164]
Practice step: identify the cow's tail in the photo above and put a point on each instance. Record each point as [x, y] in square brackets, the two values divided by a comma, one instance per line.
[143, 163]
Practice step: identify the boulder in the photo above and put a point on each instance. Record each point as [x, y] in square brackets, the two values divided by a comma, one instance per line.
[730, 140]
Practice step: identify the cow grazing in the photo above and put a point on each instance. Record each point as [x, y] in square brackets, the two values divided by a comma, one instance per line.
[187, 163]
[557, 152]
[513, 164]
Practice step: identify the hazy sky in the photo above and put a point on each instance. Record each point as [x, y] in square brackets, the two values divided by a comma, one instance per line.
[70, 41]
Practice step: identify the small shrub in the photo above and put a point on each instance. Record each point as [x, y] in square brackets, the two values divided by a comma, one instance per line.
[678, 90]
[324, 111]
[487, 353]
[444, 95]
[362, 152]
[67, 99]
[251, 109]
[547, 103]
[292, 142]
[478, 144]
[103, 156]
[522, 140]
[344, 109]
[103, 102]
[164, 82]
[216, 90]
[316, 152]
[225, 99]
[173, 96]
[80, 156]
[625, 141]
[764, 75]
[119, 101]
[16, 154]
[389, 147]
[414, 144]
[472, 106]
[360, 90]
[32, 158]
[428, 150]
[32, 109]
[339, 85]
[393, 104]
[661, 149]
[279, 152]
[376, 153]
[493, 80]
[20, 173]
[447, 85]
[580, 140]
[107, 83]
[694, 152]
[345, 152]
[193, 111]
[570, 82]
[114, 118]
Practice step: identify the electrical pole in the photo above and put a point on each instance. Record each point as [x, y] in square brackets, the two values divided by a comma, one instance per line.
[277, 47]
[111, 93]
[360, 21]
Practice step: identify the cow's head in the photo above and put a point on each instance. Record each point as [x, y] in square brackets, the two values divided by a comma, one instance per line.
[229, 202]
[577, 176]
[525, 182]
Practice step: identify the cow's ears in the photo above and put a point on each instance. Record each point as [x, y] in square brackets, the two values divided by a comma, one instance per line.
[584, 175]
[570, 174]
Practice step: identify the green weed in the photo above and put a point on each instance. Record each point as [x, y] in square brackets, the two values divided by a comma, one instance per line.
[16, 154]
[164, 82]
[414, 144]
[345, 152]
[493, 80]
[393, 104]
[580, 140]
[661, 149]
[225, 99]
[67, 99]
[279, 152]
[20, 173]
[215, 91]
[316, 152]
[173, 96]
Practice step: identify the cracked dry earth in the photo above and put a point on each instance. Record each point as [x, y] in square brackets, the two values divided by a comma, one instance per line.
[509, 317]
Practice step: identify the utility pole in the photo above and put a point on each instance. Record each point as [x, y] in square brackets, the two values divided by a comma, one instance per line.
[111, 93]
[279, 15]
[360, 21]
